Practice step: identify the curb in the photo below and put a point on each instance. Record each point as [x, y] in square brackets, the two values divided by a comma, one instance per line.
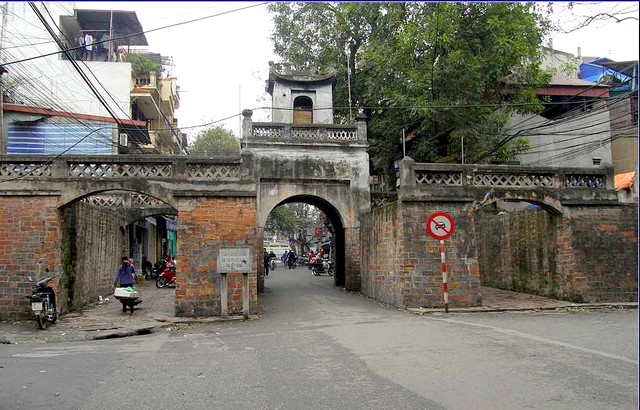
[425, 311]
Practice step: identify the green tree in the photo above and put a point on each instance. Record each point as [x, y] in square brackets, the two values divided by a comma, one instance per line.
[142, 65]
[439, 70]
[216, 141]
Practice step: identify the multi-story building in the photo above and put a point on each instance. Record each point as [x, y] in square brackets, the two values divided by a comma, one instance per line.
[137, 104]
[59, 97]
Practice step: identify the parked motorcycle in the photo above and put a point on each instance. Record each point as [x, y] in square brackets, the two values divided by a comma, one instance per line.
[43, 302]
[167, 278]
[318, 269]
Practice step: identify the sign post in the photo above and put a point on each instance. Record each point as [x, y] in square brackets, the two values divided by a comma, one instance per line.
[440, 226]
[234, 260]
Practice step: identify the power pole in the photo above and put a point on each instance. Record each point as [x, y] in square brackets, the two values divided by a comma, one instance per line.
[3, 139]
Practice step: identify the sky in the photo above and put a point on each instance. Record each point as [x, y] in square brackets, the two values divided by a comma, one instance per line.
[221, 63]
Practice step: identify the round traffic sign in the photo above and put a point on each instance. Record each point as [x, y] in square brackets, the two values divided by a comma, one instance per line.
[440, 225]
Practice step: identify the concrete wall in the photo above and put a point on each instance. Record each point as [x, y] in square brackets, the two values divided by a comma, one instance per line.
[285, 93]
[401, 264]
[589, 254]
[550, 138]
[625, 137]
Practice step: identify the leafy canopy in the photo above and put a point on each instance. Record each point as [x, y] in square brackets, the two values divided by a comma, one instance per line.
[437, 70]
[216, 141]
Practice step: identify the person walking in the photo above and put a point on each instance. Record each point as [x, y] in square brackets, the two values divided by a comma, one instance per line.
[265, 262]
[124, 275]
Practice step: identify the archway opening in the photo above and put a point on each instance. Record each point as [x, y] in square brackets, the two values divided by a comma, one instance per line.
[302, 110]
[101, 228]
[308, 225]
[518, 247]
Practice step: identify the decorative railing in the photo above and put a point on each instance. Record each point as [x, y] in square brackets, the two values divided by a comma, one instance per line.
[22, 169]
[107, 170]
[120, 167]
[502, 176]
[315, 132]
[120, 201]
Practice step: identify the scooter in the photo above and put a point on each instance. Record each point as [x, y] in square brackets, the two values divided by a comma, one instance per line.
[318, 269]
[43, 302]
[167, 278]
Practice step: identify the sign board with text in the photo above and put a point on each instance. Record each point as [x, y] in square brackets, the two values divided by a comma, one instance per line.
[234, 260]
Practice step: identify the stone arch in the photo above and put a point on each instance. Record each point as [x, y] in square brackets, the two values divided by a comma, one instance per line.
[548, 203]
[337, 222]
[81, 190]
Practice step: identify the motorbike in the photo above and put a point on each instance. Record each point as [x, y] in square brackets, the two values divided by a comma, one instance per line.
[272, 263]
[167, 278]
[43, 302]
[292, 262]
[318, 269]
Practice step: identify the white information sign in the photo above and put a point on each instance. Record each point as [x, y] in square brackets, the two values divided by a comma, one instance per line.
[234, 260]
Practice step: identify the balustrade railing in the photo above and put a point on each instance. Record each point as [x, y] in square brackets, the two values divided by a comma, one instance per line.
[119, 167]
[316, 132]
[503, 176]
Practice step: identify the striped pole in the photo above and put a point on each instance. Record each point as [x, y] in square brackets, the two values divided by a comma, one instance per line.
[445, 285]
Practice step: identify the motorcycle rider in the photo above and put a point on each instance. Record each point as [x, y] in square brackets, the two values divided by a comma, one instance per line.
[291, 259]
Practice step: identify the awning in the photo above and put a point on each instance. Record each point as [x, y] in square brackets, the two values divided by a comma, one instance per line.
[122, 23]
[624, 181]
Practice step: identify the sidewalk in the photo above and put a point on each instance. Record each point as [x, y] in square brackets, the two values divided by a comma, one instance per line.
[106, 320]
[499, 300]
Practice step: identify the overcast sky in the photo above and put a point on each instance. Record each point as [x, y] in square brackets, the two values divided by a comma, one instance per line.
[222, 62]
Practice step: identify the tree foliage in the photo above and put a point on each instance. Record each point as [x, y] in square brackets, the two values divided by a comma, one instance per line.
[439, 70]
[216, 141]
[142, 65]
[292, 220]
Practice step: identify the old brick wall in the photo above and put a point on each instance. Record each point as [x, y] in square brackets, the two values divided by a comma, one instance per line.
[600, 253]
[381, 276]
[589, 254]
[402, 264]
[206, 225]
[93, 261]
[352, 279]
[519, 251]
[29, 244]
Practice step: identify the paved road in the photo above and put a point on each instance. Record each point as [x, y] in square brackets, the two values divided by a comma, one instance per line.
[318, 347]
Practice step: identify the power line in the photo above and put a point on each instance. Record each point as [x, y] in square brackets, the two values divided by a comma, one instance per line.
[64, 50]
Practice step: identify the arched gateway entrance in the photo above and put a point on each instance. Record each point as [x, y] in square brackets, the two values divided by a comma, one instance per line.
[223, 203]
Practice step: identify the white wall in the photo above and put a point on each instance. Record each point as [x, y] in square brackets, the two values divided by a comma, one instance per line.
[49, 81]
[570, 142]
[284, 94]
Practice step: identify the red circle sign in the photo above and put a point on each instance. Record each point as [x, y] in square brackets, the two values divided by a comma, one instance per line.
[440, 225]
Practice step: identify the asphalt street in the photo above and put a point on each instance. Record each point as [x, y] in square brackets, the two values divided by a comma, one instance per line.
[315, 346]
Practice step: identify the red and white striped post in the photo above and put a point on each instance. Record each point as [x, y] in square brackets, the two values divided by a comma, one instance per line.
[445, 284]
[440, 225]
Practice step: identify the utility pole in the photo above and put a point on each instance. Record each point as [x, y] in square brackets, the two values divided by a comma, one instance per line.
[3, 139]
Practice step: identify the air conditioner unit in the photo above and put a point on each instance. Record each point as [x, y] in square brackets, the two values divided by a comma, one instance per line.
[124, 140]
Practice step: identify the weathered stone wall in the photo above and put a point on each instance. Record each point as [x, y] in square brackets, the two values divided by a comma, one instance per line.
[90, 266]
[588, 254]
[519, 251]
[29, 244]
[402, 264]
[207, 225]
[600, 253]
